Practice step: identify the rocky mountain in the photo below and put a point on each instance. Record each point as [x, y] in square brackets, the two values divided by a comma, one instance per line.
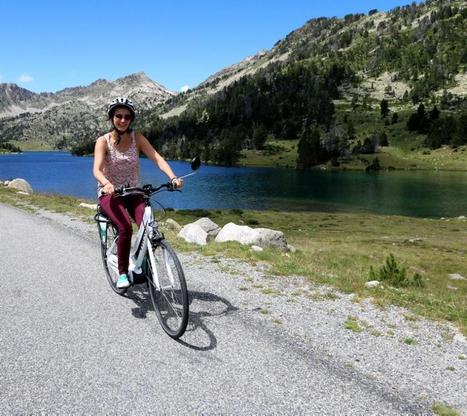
[68, 116]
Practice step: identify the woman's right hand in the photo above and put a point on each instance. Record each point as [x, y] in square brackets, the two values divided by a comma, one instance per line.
[108, 188]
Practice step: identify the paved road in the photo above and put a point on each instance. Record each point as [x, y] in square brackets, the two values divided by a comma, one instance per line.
[69, 345]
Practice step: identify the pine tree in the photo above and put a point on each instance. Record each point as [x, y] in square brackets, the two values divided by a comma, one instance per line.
[310, 150]
[384, 108]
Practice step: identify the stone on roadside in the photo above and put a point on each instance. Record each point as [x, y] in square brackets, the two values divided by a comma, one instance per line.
[372, 284]
[211, 228]
[291, 248]
[193, 233]
[21, 185]
[456, 276]
[90, 206]
[414, 240]
[256, 248]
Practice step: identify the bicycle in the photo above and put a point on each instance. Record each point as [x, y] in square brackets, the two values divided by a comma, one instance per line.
[152, 261]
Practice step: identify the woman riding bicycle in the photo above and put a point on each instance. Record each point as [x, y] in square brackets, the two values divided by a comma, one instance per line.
[116, 164]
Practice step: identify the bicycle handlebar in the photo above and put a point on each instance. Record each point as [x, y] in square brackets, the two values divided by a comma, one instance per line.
[145, 190]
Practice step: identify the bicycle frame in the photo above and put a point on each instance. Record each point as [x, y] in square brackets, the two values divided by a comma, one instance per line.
[141, 245]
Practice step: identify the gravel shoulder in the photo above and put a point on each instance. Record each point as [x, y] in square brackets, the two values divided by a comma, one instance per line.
[401, 363]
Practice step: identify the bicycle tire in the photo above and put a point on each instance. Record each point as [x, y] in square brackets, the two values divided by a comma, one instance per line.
[170, 301]
[111, 235]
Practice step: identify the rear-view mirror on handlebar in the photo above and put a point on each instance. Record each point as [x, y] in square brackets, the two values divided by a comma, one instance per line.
[195, 163]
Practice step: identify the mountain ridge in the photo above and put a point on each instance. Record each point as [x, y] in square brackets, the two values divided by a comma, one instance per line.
[21, 99]
[47, 117]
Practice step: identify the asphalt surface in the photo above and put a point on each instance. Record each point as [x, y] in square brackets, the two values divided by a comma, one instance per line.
[69, 345]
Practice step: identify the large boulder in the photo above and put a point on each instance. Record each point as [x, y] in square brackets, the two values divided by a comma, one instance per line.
[233, 232]
[270, 238]
[262, 237]
[20, 185]
[211, 228]
[193, 233]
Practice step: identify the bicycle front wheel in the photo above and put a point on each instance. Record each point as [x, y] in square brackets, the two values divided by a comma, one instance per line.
[167, 287]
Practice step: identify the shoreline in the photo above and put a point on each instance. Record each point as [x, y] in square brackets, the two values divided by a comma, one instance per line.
[384, 169]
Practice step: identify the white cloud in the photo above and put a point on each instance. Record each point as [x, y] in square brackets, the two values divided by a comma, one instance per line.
[185, 88]
[26, 78]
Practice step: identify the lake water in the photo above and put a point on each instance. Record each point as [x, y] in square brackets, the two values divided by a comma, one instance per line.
[416, 193]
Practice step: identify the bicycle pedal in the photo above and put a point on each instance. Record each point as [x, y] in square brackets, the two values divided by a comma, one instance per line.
[138, 278]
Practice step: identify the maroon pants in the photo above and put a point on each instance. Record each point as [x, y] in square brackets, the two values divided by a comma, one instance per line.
[117, 209]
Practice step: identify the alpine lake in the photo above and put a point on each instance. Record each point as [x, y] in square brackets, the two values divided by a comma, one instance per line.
[432, 194]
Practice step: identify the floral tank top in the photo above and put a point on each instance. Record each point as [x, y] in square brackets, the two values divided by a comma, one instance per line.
[121, 168]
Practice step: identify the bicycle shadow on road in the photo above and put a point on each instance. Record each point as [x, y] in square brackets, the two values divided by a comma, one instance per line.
[203, 307]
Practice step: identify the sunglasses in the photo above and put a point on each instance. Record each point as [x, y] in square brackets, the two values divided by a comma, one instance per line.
[123, 116]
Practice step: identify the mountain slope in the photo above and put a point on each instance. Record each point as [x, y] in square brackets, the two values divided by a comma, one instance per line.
[410, 55]
[421, 47]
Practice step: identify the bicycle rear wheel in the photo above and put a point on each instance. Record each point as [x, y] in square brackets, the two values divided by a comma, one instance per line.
[109, 254]
[170, 300]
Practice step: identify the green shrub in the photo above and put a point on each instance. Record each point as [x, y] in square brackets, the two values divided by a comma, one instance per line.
[395, 275]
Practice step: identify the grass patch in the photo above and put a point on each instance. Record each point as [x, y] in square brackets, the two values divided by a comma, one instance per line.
[410, 341]
[276, 153]
[55, 203]
[270, 291]
[444, 410]
[410, 317]
[352, 324]
[32, 145]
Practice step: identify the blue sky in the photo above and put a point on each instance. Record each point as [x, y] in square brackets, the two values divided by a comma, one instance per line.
[49, 45]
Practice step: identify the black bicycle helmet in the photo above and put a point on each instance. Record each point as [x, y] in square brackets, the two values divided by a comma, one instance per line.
[121, 102]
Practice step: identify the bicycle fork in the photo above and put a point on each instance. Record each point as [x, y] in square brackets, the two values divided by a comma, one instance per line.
[165, 264]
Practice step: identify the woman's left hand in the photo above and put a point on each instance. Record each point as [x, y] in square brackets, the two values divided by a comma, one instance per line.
[177, 183]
